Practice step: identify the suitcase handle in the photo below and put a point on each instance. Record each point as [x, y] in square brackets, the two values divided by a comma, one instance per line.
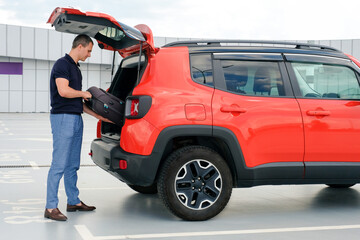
[89, 102]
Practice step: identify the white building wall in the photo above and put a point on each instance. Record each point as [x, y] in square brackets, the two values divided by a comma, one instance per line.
[4, 87]
[38, 49]
[3, 40]
[27, 42]
[13, 38]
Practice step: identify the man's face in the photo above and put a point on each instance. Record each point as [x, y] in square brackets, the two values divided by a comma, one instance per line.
[85, 52]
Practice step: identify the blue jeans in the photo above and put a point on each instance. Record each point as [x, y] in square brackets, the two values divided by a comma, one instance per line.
[67, 131]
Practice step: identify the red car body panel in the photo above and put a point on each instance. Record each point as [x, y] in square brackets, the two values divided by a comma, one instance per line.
[269, 130]
[332, 130]
[170, 99]
[138, 136]
[146, 31]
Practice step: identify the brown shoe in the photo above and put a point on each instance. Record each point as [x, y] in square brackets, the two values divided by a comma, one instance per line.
[82, 207]
[55, 214]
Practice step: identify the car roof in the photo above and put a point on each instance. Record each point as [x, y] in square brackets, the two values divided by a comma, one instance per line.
[197, 46]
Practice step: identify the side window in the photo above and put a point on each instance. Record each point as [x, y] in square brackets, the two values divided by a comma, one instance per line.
[253, 78]
[201, 69]
[317, 80]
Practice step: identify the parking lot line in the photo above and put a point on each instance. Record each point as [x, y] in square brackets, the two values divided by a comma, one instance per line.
[87, 235]
[34, 165]
[98, 188]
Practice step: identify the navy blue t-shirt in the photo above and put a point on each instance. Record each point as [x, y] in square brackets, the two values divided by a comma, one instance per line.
[66, 68]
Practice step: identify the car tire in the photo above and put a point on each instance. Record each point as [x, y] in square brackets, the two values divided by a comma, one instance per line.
[144, 190]
[195, 183]
[340, 185]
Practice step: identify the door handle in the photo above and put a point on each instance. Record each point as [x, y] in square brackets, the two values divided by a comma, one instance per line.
[319, 113]
[232, 109]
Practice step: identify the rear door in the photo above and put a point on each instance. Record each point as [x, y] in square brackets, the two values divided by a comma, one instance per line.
[253, 98]
[109, 33]
[328, 92]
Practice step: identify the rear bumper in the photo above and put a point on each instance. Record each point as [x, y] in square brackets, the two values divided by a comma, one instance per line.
[141, 170]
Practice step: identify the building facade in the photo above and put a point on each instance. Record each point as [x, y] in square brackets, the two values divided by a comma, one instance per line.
[27, 55]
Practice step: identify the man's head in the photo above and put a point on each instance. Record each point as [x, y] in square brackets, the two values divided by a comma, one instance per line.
[82, 47]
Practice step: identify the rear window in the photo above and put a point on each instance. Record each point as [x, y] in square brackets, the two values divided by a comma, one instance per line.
[112, 33]
[201, 69]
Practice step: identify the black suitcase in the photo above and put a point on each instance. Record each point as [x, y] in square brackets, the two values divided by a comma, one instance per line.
[106, 105]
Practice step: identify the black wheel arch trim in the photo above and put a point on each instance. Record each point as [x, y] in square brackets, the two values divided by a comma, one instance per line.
[227, 136]
[243, 176]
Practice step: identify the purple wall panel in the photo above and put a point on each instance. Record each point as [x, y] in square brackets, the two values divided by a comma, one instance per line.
[11, 68]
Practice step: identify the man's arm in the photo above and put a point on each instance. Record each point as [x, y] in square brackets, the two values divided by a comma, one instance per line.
[66, 91]
[94, 114]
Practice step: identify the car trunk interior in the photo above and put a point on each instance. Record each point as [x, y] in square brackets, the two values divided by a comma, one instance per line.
[122, 86]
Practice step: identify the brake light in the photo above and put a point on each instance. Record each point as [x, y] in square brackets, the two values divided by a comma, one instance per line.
[134, 107]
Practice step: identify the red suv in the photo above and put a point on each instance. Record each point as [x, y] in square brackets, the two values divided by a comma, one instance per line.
[202, 117]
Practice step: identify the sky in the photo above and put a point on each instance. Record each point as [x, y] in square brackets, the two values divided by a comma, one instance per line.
[220, 19]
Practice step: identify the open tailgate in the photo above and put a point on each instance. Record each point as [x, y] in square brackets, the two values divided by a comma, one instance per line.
[109, 33]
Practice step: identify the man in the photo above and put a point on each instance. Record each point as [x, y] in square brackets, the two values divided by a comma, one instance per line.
[67, 128]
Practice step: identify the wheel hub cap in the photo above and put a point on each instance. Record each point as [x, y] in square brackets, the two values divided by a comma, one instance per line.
[198, 184]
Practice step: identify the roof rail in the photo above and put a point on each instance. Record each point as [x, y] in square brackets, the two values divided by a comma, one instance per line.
[212, 43]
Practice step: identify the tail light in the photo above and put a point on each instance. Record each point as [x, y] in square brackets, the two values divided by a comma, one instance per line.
[137, 106]
[134, 111]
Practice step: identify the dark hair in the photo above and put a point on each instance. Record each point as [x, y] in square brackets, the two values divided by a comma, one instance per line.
[82, 39]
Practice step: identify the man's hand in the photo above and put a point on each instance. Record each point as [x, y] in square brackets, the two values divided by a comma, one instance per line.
[104, 119]
[94, 114]
[86, 95]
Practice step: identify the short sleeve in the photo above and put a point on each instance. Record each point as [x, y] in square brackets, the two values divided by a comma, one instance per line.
[61, 70]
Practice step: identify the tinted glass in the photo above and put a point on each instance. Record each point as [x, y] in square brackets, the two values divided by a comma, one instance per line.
[112, 33]
[201, 69]
[253, 78]
[318, 80]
